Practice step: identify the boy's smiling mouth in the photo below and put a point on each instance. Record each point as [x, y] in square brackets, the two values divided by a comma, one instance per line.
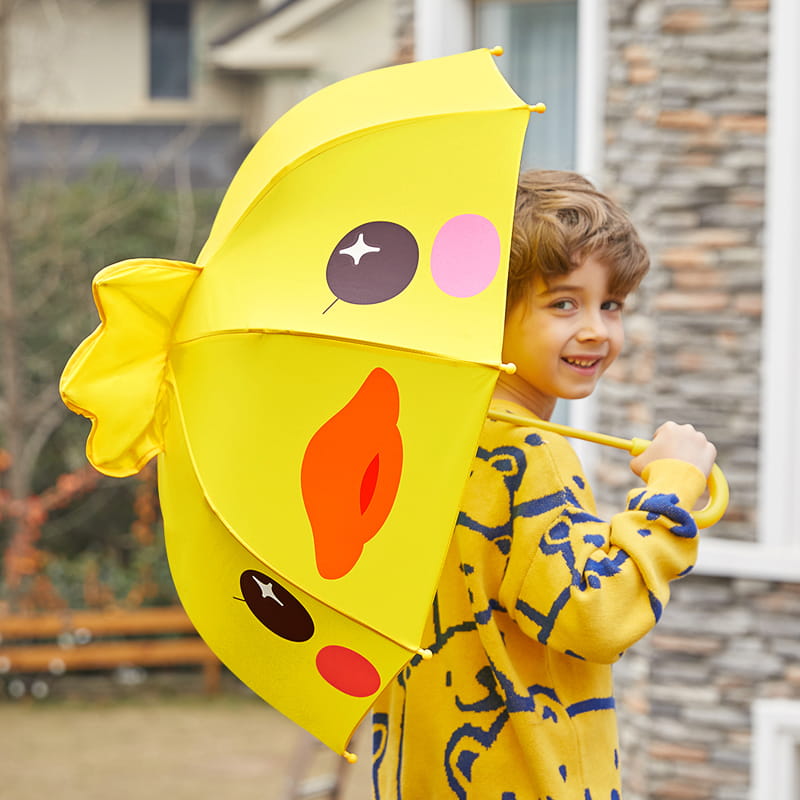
[582, 363]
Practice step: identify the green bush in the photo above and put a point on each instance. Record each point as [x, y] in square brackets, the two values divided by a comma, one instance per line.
[63, 233]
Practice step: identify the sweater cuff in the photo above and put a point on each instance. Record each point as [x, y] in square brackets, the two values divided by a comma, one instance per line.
[676, 476]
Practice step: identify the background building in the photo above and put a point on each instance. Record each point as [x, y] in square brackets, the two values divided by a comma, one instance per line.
[687, 111]
[194, 82]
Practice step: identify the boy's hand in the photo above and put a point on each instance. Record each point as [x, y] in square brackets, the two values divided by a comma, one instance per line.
[678, 441]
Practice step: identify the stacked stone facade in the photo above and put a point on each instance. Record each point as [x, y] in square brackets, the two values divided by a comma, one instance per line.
[686, 693]
[686, 149]
[686, 123]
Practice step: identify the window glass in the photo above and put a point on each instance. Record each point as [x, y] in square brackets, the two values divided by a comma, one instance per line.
[169, 49]
[540, 62]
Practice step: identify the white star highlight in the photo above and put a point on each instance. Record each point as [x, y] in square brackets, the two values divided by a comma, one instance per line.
[358, 250]
[267, 590]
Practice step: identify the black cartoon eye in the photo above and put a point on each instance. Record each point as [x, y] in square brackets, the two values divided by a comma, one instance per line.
[372, 263]
[275, 607]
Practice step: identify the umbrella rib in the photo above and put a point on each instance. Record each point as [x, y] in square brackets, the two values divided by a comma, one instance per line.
[426, 654]
[498, 365]
[309, 155]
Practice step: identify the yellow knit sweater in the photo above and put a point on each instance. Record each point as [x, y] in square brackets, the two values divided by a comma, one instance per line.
[537, 598]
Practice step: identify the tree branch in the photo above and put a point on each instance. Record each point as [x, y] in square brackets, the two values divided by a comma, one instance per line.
[37, 438]
[10, 370]
[186, 211]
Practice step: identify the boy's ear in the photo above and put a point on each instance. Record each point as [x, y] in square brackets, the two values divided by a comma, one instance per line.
[115, 377]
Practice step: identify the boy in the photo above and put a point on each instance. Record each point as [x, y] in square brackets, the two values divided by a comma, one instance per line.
[538, 596]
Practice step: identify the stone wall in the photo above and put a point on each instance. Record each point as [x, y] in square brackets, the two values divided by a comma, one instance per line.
[685, 152]
[686, 125]
[686, 148]
[404, 30]
[685, 694]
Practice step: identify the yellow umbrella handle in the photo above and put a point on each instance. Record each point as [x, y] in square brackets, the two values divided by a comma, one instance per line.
[718, 491]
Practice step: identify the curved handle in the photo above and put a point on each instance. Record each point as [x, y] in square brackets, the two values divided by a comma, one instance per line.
[719, 493]
[717, 505]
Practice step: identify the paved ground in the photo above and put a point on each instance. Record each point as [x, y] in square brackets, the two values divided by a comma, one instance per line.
[151, 746]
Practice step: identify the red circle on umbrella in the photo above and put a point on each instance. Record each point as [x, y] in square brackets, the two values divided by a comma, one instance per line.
[348, 671]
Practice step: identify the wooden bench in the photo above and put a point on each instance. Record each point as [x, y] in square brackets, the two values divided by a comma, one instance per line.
[75, 641]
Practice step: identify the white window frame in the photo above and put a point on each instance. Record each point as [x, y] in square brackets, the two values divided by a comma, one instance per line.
[776, 553]
[780, 431]
[774, 752]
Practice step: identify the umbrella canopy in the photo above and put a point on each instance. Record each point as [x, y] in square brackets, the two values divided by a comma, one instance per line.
[315, 384]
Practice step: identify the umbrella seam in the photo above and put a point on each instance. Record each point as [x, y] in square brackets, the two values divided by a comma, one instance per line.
[332, 143]
[498, 365]
[239, 540]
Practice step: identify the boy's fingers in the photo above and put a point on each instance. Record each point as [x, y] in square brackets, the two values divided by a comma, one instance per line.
[683, 442]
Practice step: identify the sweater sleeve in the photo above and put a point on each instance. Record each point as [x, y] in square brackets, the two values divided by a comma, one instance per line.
[584, 586]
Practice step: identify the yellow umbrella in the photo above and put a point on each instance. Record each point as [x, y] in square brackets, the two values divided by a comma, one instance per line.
[295, 382]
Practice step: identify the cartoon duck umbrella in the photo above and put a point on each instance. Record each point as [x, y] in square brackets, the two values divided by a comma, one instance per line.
[315, 384]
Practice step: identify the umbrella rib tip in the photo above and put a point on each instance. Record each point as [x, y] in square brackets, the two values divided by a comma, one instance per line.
[497, 50]
[426, 654]
[539, 108]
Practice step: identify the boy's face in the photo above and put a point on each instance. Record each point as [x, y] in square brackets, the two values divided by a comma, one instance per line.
[563, 336]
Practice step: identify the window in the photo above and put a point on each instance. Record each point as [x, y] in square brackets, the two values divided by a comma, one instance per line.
[776, 749]
[170, 48]
[540, 62]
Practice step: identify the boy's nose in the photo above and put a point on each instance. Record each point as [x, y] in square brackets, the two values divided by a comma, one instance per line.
[593, 328]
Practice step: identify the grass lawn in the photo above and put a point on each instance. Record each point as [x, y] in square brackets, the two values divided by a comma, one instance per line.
[185, 747]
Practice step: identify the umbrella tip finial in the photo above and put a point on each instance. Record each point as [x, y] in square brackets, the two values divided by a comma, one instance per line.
[497, 50]
[509, 368]
[539, 108]
[426, 654]
[350, 758]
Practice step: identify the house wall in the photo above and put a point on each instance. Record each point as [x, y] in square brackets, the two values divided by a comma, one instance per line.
[358, 37]
[351, 38]
[80, 94]
[88, 98]
[94, 75]
[687, 693]
[686, 147]
[685, 152]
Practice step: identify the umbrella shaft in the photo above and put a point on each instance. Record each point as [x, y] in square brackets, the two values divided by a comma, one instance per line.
[719, 492]
[565, 430]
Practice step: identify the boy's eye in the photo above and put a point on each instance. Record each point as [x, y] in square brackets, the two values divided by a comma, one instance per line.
[612, 305]
[564, 305]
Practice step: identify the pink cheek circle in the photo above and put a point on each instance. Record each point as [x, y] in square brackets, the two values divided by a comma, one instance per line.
[465, 255]
[348, 671]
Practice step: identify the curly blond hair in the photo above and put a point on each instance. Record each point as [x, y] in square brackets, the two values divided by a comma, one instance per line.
[561, 219]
